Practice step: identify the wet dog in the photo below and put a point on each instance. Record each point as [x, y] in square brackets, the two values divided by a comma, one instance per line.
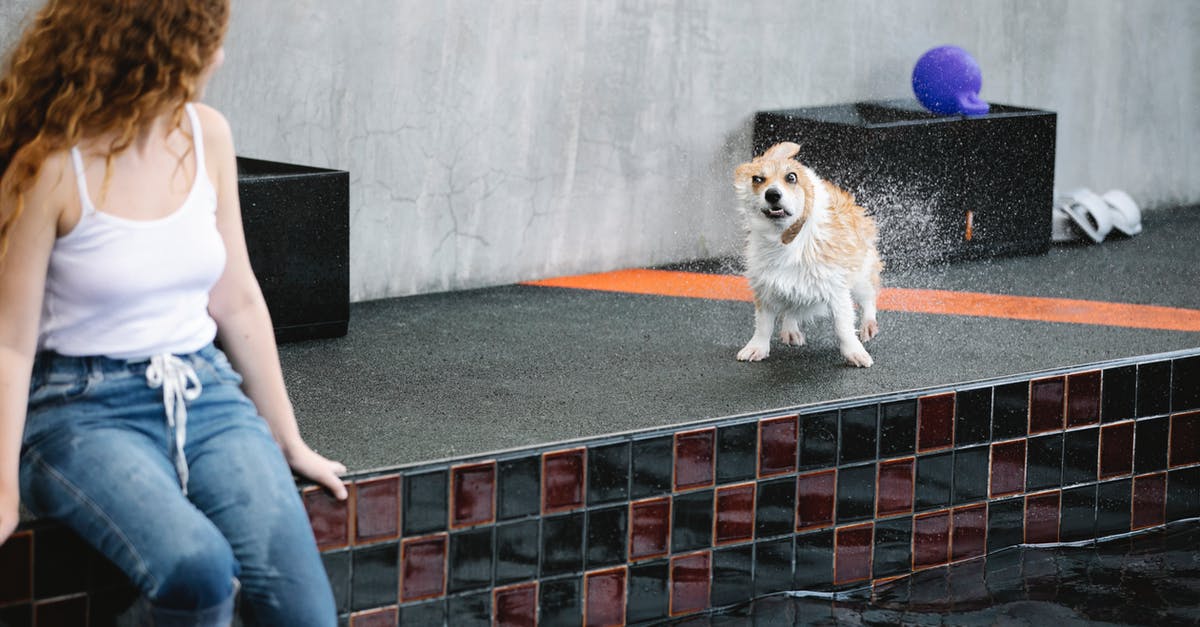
[810, 252]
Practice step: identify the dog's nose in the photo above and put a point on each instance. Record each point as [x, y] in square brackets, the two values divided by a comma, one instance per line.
[772, 195]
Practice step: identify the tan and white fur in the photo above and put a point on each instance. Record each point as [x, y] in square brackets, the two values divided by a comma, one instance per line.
[810, 252]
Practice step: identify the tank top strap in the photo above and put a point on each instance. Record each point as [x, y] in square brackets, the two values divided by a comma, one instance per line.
[197, 138]
[85, 202]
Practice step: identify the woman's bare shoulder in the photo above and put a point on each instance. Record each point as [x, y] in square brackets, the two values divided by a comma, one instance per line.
[217, 132]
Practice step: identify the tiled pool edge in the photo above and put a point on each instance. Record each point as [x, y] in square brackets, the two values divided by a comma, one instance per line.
[646, 525]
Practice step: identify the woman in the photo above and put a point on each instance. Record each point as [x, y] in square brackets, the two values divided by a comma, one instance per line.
[122, 258]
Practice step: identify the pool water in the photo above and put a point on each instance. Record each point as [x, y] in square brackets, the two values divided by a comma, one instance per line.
[1151, 578]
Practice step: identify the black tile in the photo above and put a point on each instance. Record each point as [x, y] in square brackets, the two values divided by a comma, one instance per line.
[692, 521]
[337, 568]
[893, 547]
[776, 507]
[772, 566]
[60, 561]
[897, 428]
[934, 475]
[1044, 462]
[653, 465]
[1183, 494]
[1010, 411]
[608, 473]
[973, 416]
[1150, 439]
[814, 561]
[470, 560]
[471, 610]
[818, 440]
[17, 615]
[1077, 517]
[426, 613]
[425, 507]
[1006, 523]
[970, 474]
[732, 575]
[859, 428]
[562, 544]
[1118, 393]
[737, 452]
[1185, 384]
[607, 533]
[519, 487]
[1113, 502]
[1080, 454]
[375, 576]
[517, 546]
[1153, 388]
[561, 602]
[649, 595]
[855, 493]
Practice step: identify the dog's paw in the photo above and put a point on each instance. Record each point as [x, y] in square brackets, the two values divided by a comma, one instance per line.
[754, 352]
[858, 358]
[792, 337]
[869, 329]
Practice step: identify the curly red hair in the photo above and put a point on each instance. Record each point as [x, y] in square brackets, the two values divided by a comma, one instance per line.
[87, 68]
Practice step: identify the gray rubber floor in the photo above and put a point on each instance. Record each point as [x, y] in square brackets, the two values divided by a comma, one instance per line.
[430, 377]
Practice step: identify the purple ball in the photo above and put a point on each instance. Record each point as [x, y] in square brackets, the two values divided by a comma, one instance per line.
[946, 80]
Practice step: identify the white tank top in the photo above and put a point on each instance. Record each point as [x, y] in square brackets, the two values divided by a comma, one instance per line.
[130, 289]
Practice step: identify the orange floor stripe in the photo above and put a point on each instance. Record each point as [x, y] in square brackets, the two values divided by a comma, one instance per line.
[726, 287]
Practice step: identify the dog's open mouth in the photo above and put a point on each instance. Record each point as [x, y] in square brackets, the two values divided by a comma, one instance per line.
[776, 213]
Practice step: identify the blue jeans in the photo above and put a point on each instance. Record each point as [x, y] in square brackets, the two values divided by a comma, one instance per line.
[99, 456]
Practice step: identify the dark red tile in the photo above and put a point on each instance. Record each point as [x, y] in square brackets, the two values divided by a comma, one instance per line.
[735, 514]
[1046, 404]
[472, 494]
[649, 528]
[935, 421]
[329, 517]
[1116, 450]
[852, 555]
[694, 458]
[562, 480]
[515, 606]
[604, 598]
[1008, 468]
[16, 568]
[1149, 501]
[689, 583]
[377, 509]
[777, 442]
[62, 611]
[968, 537]
[815, 494]
[931, 539]
[895, 487]
[379, 617]
[1185, 439]
[1083, 398]
[1042, 517]
[423, 568]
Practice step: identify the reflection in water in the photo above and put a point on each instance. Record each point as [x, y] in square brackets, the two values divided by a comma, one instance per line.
[1147, 579]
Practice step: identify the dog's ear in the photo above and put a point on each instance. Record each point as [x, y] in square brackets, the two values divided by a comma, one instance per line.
[782, 150]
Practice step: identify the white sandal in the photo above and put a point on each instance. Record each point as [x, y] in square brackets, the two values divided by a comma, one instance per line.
[1126, 215]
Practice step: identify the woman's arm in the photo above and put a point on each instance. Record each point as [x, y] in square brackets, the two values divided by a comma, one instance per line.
[243, 322]
[22, 281]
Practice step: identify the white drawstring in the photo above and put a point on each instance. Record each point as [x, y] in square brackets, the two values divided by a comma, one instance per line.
[179, 384]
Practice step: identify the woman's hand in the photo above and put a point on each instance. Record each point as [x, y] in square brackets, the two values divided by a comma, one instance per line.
[10, 513]
[311, 465]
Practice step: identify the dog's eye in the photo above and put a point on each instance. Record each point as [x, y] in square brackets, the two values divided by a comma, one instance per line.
[791, 177]
[757, 180]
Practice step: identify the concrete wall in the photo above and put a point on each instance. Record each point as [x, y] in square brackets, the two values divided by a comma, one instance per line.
[491, 141]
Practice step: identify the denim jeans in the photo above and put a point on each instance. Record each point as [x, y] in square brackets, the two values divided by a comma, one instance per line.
[99, 456]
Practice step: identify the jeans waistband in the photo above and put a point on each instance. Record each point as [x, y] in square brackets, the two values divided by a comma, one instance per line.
[48, 361]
